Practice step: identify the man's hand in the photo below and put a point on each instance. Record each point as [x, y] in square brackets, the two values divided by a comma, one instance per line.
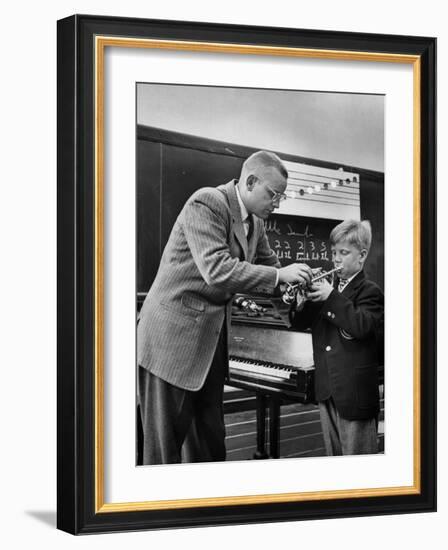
[319, 291]
[295, 273]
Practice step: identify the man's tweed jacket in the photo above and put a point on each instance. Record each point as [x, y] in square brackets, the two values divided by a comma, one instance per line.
[206, 261]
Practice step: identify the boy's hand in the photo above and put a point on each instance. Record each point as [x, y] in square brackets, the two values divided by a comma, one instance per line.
[319, 291]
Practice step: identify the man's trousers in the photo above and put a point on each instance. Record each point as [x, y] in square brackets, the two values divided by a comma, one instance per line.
[181, 425]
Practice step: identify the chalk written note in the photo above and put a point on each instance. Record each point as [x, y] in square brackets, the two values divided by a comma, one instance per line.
[301, 239]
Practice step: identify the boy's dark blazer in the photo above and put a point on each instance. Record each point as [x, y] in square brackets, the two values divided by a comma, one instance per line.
[347, 334]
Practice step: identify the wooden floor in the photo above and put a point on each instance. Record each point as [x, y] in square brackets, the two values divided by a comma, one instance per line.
[300, 428]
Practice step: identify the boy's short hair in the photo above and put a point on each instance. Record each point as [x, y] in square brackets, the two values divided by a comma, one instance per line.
[357, 233]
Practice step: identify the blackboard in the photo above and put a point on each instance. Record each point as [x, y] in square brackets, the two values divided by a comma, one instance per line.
[172, 166]
[301, 239]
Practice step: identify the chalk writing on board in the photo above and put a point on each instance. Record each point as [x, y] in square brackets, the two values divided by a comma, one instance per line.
[302, 249]
[271, 226]
[306, 233]
[300, 240]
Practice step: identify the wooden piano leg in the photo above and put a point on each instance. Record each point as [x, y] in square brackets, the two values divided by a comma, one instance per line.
[274, 427]
[261, 427]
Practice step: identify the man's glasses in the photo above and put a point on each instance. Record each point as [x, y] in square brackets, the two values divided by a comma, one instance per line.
[276, 197]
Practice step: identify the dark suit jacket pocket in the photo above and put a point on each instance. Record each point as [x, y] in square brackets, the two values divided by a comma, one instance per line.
[366, 377]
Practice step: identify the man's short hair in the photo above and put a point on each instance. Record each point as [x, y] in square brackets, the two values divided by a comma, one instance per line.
[264, 159]
[357, 233]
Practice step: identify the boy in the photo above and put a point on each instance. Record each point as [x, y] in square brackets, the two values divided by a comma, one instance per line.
[347, 323]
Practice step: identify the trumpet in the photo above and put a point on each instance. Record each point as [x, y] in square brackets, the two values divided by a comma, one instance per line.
[297, 292]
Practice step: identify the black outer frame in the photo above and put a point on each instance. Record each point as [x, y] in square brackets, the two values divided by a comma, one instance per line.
[75, 172]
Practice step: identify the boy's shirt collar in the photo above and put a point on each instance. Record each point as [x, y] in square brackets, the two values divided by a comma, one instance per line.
[344, 282]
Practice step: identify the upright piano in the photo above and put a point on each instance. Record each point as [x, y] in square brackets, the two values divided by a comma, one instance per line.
[275, 363]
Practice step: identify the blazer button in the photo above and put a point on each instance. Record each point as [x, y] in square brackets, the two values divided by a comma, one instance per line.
[329, 313]
[328, 348]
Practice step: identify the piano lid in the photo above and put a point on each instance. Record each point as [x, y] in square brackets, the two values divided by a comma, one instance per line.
[270, 345]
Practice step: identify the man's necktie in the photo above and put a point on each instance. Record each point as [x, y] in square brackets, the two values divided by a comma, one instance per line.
[249, 224]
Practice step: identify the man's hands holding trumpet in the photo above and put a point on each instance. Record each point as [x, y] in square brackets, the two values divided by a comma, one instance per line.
[298, 283]
[310, 284]
[296, 274]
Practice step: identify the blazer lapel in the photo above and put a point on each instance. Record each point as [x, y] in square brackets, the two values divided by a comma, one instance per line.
[353, 285]
[238, 227]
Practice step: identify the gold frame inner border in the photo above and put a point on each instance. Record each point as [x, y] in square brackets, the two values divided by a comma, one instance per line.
[101, 43]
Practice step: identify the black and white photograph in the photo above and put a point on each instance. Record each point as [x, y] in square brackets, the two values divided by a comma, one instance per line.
[223, 275]
[260, 274]
[246, 256]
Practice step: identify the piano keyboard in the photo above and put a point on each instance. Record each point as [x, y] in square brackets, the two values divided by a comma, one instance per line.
[254, 368]
[271, 361]
[269, 378]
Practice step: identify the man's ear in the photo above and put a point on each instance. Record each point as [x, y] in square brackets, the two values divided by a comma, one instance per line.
[363, 256]
[251, 180]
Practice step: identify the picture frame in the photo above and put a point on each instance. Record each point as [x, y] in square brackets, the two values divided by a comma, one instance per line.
[82, 119]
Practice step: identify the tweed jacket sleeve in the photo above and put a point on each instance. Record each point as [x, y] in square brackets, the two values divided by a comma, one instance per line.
[207, 226]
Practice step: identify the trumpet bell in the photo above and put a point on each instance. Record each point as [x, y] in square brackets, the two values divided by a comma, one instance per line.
[289, 295]
[297, 293]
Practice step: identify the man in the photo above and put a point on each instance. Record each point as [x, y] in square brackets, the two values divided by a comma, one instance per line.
[218, 247]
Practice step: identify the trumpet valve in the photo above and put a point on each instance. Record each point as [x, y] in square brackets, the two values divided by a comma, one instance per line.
[290, 294]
